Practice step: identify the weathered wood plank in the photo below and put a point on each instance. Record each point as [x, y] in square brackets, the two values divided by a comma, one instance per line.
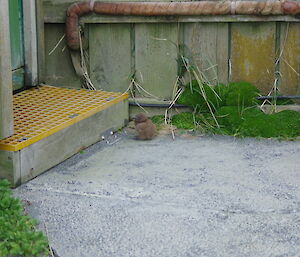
[6, 99]
[30, 42]
[156, 58]
[290, 59]
[206, 46]
[223, 46]
[110, 56]
[40, 40]
[253, 54]
[59, 69]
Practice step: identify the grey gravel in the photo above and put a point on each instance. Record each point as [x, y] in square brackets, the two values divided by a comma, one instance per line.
[193, 196]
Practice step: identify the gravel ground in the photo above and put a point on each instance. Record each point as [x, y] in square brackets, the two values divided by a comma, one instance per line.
[192, 196]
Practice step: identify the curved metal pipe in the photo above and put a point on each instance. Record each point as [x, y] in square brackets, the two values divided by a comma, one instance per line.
[75, 11]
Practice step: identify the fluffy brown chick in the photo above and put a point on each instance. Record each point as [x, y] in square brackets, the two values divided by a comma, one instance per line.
[144, 127]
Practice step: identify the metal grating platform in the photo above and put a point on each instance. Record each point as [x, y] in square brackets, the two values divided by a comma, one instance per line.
[42, 111]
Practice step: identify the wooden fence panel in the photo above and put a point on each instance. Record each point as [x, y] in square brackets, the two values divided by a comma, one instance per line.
[290, 58]
[156, 58]
[110, 56]
[206, 44]
[146, 46]
[253, 53]
[59, 69]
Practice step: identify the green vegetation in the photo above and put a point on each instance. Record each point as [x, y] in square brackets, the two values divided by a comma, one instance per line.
[158, 120]
[197, 96]
[186, 120]
[18, 236]
[241, 94]
[234, 111]
[284, 124]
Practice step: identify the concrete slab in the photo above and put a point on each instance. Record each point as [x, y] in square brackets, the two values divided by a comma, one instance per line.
[194, 196]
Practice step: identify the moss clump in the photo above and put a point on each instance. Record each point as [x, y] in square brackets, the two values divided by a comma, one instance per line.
[195, 121]
[252, 122]
[241, 94]
[236, 111]
[284, 124]
[249, 122]
[232, 117]
[222, 92]
[200, 96]
[158, 120]
[185, 120]
[18, 236]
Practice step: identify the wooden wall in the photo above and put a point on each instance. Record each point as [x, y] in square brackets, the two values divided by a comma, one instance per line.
[226, 48]
[6, 88]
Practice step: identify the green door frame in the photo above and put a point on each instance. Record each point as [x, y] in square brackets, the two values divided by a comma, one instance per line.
[23, 42]
[30, 58]
[16, 42]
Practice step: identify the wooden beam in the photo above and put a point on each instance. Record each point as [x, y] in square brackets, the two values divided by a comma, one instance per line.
[6, 98]
[94, 18]
[55, 12]
[40, 40]
[30, 43]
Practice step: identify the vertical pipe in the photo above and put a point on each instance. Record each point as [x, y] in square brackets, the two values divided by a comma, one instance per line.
[6, 90]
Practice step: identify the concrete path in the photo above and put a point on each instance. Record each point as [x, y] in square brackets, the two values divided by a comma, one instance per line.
[195, 196]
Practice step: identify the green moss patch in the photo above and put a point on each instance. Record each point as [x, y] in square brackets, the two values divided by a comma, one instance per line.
[18, 236]
[241, 94]
[251, 122]
[185, 120]
[200, 97]
[284, 124]
[158, 120]
[235, 108]
[231, 117]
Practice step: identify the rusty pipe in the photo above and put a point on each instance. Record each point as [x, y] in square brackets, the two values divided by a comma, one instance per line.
[76, 10]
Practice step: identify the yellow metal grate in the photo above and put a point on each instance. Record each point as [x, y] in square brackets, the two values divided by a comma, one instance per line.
[41, 112]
